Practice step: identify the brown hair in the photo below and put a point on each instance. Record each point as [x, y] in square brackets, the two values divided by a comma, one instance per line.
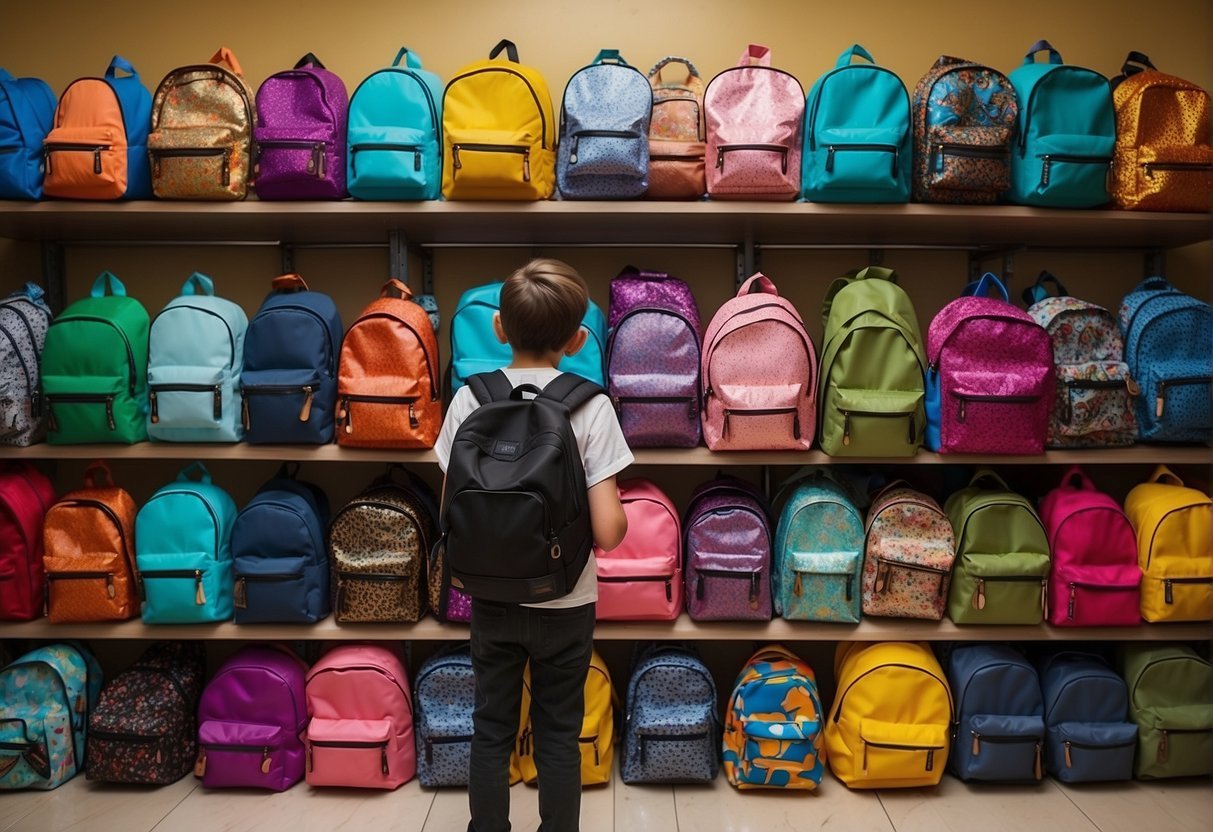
[542, 305]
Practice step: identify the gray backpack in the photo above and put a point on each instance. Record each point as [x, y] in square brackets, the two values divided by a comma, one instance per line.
[24, 319]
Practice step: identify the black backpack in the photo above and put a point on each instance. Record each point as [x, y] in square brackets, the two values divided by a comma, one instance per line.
[515, 522]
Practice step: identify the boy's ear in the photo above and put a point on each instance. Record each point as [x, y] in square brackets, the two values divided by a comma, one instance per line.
[498, 329]
[576, 342]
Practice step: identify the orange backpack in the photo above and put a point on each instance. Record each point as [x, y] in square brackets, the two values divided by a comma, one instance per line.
[388, 393]
[89, 552]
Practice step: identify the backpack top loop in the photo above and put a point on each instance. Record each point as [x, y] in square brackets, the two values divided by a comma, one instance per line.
[108, 284]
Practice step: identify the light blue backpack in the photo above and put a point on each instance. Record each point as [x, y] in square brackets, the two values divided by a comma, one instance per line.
[45, 699]
[475, 349]
[1066, 130]
[445, 695]
[395, 133]
[183, 551]
[818, 554]
[195, 354]
[1000, 726]
[1089, 736]
[604, 131]
[857, 136]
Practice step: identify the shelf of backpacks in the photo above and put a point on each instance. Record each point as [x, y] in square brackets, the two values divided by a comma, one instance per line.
[641, 222]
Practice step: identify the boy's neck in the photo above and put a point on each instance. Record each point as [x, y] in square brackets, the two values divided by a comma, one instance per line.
[536, 360]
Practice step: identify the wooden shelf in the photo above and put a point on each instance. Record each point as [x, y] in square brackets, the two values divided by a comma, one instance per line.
[536, 223]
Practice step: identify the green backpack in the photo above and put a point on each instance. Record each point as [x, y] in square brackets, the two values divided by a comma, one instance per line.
[1002, 555]
[1169, 688]
[872, 368]
[94, 369]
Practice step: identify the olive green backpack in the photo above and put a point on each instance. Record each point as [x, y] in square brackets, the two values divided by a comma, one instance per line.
[1169, 699]
[94, 369]
[872, 368]
[1002, 555]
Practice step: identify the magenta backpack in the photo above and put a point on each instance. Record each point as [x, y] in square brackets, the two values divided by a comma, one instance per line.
[727, 540]
[1095, 577]
[251, 721]
[641, 578]
[653, 359]
[300, 133]
[759, 374]
[755, 118]
[990, 377]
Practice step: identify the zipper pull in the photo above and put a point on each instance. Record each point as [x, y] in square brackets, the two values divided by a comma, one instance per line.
[417, 159]
[797, 588]
[555, 546]
[882, 578]
[846, 428]
[413, 423]
[218, 402]
[865, 759]
[850, 581]
[1069, 760]
[1161, 400]
[109, 412]
[1044, 172]
[199, 592]
[1070, 608]
[669, 590]
[526, 165]
[643, 743]
[97, 161]
[913, 434]
[140, 587]
[156, 166]
[53, 423]
[455, 163]
[796, 425]
[312, 165]
[155, 415]
[110, 589]
[896, 161]
[345, 415]
[699, 587]
[976, 749]
[939, 586]
[691, 414]
[46, 161]
[1168, 591]
[429, 751]
[1044, 595]
[724, 431]
[596, 759]
[1036, 766]
[830, 169]
[720, 158]
[265, 760]
[573, 151]
[244, 414]
[979, 596]
[311, 760]
[240, 594]
[1131, 387]
[754, 590]
[960, 415]
[783, 160]
[1149, 170]
[323, 166]
[383, 760]
[200, 763]
[305, 412]
[225, 172]
[159, 756]
[1164, 747]
[939, 161]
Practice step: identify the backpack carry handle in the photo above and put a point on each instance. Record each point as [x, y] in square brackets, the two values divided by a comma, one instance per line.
[188, 472]
[1037, 291]
[288, 471]
[311, 60]
[120, 64]
[97, 475]
[1163, 474]
[198, 284]
[692, 72]
[987, 475]
[981, 288]
[226, 57]
[288, 283]
[516, 395]
[855, 51]
[641, 274]
[107, 283]
[411, 59]
[1075, 476]
[1042, 46]
[610, 56]
[396, 289]
[1154, 284]
[758, 283]
[511, 51]
[755, 55]
[948, 60]
[1136, 62]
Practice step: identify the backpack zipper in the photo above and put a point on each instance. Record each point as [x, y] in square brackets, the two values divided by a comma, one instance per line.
[673, 157]
[525, 152]
[240, 592]
[305, 412]
[885, 565]
[1164, 741]
[430, 742]
[690, 401]
[772, 148]
[196, 574]
[1181, 167]
[911, 435]
[848, 577]
[594, 740]
[266, 760]
[415, 149]
[882, 148]
[110, 589]
[225, 173]
[316, 164]
[1068, 744]
[627, 579]
[968, 151]
[215, 389]
[770, 411]
[647, 738]
[1168, 586]
[1012, 740]
[382, 745]
[1076, 585]
[344, 414]
[82, 147]
[597, 134]
[930, 749]
[979, 593]
[80, 398]
[965, 398]
[1047, 159]
[753, 576]
[1161, 399]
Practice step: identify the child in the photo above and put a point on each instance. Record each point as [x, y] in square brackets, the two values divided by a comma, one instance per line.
[542, 305]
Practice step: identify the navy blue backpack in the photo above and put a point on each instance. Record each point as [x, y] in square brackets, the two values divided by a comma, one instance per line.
[1089, 736]
[24, 124]
[279, 553]
[999, 715]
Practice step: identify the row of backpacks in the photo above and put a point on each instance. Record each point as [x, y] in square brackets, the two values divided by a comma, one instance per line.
[268, 721]
[1050, 134]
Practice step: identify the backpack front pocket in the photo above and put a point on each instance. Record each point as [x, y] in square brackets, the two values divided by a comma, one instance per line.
[86, 409]
[606, 153]
[999, 589]
[1092, 600]
[996, 414]
[1094, 405]
[908, 578]
[969, 159]
[1178, 597]
[281, 406]
[85, 587]
[380, 595]
[349, 752]
[1001, 748]
[85, 163]
[290, 156]
[1074, 169]
[729, 587]
[636, 589]
[241, 754]
[1174, 177]
[393, 160]
[857, 160]
[676, 169]
[1177, 742]
[198, 163]
[874, 423]
[902, 754]
[380, 421]
[757, 417]
[186, 397]
[823, 587]
[1085, 752]
[33, 752]
[185, 588]
[447, 758]
[778, 755]
[270, 589]
[472, 546]
[675, 752]
[490, 158]
[1180, 396]
[753, 168]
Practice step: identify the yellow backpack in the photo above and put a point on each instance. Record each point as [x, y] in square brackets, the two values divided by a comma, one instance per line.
[498, 131]
[1173, 548]
[889, 726]
[597, 729]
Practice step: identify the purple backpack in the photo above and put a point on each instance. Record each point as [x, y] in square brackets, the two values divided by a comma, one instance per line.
[653, 359]
[727, 540]
[300, 133]
[250, 720]
[990, 377]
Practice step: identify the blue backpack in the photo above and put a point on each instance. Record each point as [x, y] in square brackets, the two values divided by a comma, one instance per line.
[999, 715]
[1169, 349]
[24, 124]
[1088, 736]
[857, 136]
[279, 553]
[45, 699]
[395, 133]
[672, 732]
[445, 695]
[183, 551]
[475, 349]
[1066, 130]
[604, 131]
[289, 381]
[195, 354]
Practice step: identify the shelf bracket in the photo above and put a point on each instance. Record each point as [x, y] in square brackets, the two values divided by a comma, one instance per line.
[398, 256]
[767, 484]
[54, 272]
[975, 263]
[876, 257]
[427, 271]
[1155, 264]
[1008, 268]
[748, 259]
[287, 252]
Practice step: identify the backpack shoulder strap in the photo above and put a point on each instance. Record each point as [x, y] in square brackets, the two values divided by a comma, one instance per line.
[571, 390]
[490, 387]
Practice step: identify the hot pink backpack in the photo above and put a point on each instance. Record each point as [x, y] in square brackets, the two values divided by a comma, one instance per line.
[990, 377]
[361, 729]
[1095, 577]
[641, 578]
[755, 118]
[759, 373]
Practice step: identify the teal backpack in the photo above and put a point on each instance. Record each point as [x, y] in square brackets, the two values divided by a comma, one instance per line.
[195, 355]
[857, 139]
[45, 699]
[183, 551]
[94, 369]
[1066, 130]
[475, 349]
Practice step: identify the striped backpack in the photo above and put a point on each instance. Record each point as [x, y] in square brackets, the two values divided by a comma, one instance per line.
[24, 321]
[1000, 715]
[641, 578]
[727, 544]
[908, 554]
[676, 133]
[1088, 735]
[773, 724]
[445, 693]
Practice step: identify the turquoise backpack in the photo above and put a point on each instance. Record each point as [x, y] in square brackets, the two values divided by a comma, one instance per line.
[1065, 134]
[183, 551]
[857, 139]
[818, 553]
[196, 351]
[45, 699]
[475, 349]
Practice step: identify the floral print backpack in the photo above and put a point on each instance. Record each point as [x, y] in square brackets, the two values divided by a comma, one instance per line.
[908, 554]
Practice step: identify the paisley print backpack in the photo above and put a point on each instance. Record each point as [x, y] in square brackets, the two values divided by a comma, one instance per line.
[676, 132]
[909, 549]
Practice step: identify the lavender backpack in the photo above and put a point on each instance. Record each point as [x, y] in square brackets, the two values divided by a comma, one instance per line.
[250, 719]
[300, 133]
[990, 378]
[653, 359]
[727, 540]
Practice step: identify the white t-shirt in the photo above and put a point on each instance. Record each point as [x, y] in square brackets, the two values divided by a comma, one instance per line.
[604, 453]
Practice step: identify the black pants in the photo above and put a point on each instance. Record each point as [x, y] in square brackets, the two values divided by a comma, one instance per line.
[558, 644]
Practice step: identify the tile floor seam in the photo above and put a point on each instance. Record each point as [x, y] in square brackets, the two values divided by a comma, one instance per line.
[175, 807]
[885, 809]
[1091, 820]
[677, 822]
[429, 810]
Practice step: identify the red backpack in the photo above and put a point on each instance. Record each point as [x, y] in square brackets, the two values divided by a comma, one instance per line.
[25, 495]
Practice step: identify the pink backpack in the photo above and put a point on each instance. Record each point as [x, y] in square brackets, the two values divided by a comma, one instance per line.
[759, 373]
[755, 118]
[990, 377]
[1095, 577]
[361, 729]
[641, 578]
